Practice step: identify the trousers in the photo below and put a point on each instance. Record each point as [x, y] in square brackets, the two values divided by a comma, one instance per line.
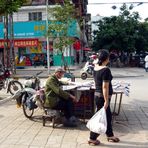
[67, 106]
[109, 132]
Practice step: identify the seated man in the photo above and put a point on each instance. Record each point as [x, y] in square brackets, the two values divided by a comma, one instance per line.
[58, 99]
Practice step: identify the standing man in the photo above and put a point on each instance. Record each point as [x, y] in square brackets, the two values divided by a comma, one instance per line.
[58, 99]
[146, 63]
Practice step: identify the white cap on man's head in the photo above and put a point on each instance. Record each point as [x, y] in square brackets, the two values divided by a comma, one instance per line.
[59, 70]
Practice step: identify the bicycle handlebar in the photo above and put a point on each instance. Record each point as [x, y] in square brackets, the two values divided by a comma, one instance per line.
[33, 76]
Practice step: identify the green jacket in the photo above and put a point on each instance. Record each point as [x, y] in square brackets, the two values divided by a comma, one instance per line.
[54, 92]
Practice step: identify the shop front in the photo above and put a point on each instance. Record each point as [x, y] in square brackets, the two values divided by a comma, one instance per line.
[30, 45]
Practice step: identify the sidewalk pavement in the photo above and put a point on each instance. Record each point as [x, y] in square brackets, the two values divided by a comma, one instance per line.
[16, 131]
[131, 126]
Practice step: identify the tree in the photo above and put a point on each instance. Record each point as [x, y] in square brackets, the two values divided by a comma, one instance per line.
[61, 17]
[10, 6]
[7, 8]
[122, 33]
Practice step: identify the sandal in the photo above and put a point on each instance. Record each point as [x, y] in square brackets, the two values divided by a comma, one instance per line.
[113, 139]
[93, 142]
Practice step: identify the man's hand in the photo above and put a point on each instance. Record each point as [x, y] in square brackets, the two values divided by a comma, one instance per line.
[73, 98]
[71, 83]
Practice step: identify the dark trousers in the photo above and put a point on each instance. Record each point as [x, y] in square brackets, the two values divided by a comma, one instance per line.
[100, 103]
[67, 106]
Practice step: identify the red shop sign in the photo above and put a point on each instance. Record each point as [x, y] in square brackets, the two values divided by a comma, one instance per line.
[21, 43]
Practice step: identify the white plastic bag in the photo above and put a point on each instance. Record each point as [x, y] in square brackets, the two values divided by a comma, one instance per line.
[98, 123]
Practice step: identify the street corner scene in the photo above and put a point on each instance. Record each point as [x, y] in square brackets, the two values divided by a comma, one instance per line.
[73, 73]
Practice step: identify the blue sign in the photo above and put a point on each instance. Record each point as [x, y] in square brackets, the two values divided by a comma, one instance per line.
[36, 29]
[1, 30]
[27, 29]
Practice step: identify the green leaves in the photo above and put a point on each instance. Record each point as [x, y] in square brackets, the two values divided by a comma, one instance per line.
[61, 17]
[10, 6]
[123, 32]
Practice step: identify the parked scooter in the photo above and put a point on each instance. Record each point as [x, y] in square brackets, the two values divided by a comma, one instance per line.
[87, 70]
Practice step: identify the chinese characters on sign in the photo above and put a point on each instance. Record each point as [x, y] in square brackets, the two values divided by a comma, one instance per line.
[21, 43]
[39, 28]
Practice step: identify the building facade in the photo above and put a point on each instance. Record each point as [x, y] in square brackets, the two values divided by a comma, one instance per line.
[30, 42]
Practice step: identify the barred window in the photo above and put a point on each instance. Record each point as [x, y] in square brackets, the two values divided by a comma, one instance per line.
[35, 16]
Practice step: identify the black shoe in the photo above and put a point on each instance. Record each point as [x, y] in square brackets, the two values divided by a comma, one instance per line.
[73, 119]
[68, 123]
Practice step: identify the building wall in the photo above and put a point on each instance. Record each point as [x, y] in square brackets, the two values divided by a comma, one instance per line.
[22, 14]
[93, 19]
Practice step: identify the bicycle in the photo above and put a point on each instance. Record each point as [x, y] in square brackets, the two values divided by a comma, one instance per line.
[25, 97]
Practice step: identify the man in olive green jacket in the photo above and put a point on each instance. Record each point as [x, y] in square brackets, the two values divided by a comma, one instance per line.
[56, 98]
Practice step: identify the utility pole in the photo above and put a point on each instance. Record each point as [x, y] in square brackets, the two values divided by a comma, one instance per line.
[47, 39]
[12, 54]
[6, 42]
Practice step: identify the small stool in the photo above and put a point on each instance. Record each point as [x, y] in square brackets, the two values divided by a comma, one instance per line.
[50, 114]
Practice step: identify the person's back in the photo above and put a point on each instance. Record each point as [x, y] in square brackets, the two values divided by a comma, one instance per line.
[53, 91]
[99, 75]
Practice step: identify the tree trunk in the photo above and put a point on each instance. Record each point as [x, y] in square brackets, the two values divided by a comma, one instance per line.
[65, 64]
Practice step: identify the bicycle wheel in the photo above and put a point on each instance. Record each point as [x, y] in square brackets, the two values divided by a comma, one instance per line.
[14, 86]
[26, 110]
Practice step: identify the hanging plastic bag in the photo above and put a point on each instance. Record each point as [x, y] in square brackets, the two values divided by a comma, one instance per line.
[98, 123]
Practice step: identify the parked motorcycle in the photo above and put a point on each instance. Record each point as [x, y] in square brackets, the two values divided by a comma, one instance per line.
[6, 82]
[28, 97]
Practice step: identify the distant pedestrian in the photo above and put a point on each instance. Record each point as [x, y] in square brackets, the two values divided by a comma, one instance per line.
[146, 63]
[1, 67]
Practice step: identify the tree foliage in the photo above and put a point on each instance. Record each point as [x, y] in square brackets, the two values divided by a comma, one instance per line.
[122, 33]
[61, 17]
[10, 6]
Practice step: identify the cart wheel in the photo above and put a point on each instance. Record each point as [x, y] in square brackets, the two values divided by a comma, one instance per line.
[27, 112]
[83, 76]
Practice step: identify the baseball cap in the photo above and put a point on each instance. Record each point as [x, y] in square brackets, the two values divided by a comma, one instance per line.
[59, 70]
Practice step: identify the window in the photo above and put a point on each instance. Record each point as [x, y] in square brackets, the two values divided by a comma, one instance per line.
[53, 2]
[35, 16]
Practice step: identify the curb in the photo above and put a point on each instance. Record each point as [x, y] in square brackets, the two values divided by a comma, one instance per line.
[76, 76]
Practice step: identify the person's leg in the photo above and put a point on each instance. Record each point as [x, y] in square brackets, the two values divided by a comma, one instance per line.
[146, 69]
[99, 103]
[67, 106]
[109, 131]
